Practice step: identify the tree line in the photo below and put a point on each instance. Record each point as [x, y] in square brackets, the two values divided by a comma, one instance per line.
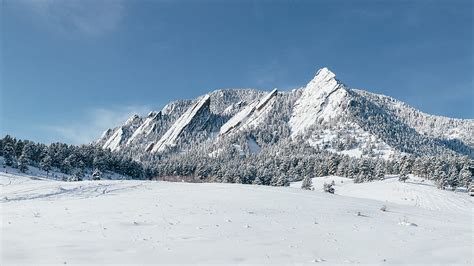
[72, 160]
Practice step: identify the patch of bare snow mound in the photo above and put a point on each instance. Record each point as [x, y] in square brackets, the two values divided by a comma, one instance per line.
[182, 223]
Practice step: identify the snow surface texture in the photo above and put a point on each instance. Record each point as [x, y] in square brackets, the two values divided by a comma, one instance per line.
[170, 137]
[251, 115]
[138, 222]
[321, 98]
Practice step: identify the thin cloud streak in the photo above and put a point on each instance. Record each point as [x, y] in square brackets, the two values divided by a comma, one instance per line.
[93, 124]
[79, 16]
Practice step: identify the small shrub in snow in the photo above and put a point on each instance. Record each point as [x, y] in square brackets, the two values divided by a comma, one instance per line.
[329, 187]
[402, 177]
[96, 174]
[405, 222]
[74, 178]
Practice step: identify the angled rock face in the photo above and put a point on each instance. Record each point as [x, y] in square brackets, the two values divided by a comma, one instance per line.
[121, 134]
[250, 115]
[188, 120]
[325, 113]
[146, 128]
[322, 98]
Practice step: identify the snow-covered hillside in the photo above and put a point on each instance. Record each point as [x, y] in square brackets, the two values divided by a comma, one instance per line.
[139, 222]
[415, 191]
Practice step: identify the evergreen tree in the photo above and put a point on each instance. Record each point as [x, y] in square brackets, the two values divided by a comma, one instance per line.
[351, 171]
[465, 176]
[282, 181]
[332, 165]
[99, 162]
[365, 172]
[79, 174]
[8, 153]
[66, 165]
[329, 187]
[380, 170]
[257, 181]
[29, 151]
[405, 167]
[452, 179]
[307, 183]
[45, 164]
[441, 176]
[23, 163]
[96, 174]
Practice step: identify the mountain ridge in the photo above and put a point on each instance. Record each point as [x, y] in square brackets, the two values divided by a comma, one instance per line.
[323, 113]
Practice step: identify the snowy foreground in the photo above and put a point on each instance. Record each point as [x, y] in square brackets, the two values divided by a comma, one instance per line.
[130, 222]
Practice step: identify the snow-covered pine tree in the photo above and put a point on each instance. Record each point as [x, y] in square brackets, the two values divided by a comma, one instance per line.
[29, 151]
[441, 178]
[79, 174]
[18, 148]
[66, 165]
[322, 170]
[45, 164]
[341, 168]
[418, 167]
[332, 165]
[99, 161]
[329, 187]
[453, 176]
[282, 181]
[307, 183]
[351, 169]
[365, 172]
[465, 175]
[23, 163]
[380, 170]
[257, 181]
[404, 169]
[96, 174]
[8, 154]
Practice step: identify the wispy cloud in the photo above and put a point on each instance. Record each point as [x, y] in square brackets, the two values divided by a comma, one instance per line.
[92, 124]
[90, 17]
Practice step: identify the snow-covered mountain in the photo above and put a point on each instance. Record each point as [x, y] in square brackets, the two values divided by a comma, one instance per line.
[322, 99]
[195, 118]
[325, 114]
[251, 115]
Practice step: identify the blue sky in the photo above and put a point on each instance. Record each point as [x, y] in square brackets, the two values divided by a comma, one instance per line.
[71, 69]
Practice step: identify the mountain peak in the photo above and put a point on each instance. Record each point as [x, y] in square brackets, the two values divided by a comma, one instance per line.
[326, 72]
[322, 98]
[132, 119]
[324, 75]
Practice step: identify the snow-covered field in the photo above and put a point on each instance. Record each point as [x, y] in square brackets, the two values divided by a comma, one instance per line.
[133, 222]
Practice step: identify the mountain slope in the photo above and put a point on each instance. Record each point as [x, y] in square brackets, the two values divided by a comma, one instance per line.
[325, 113]
[121, 134]
[250, 115]
[199, 110]
[322, 99]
